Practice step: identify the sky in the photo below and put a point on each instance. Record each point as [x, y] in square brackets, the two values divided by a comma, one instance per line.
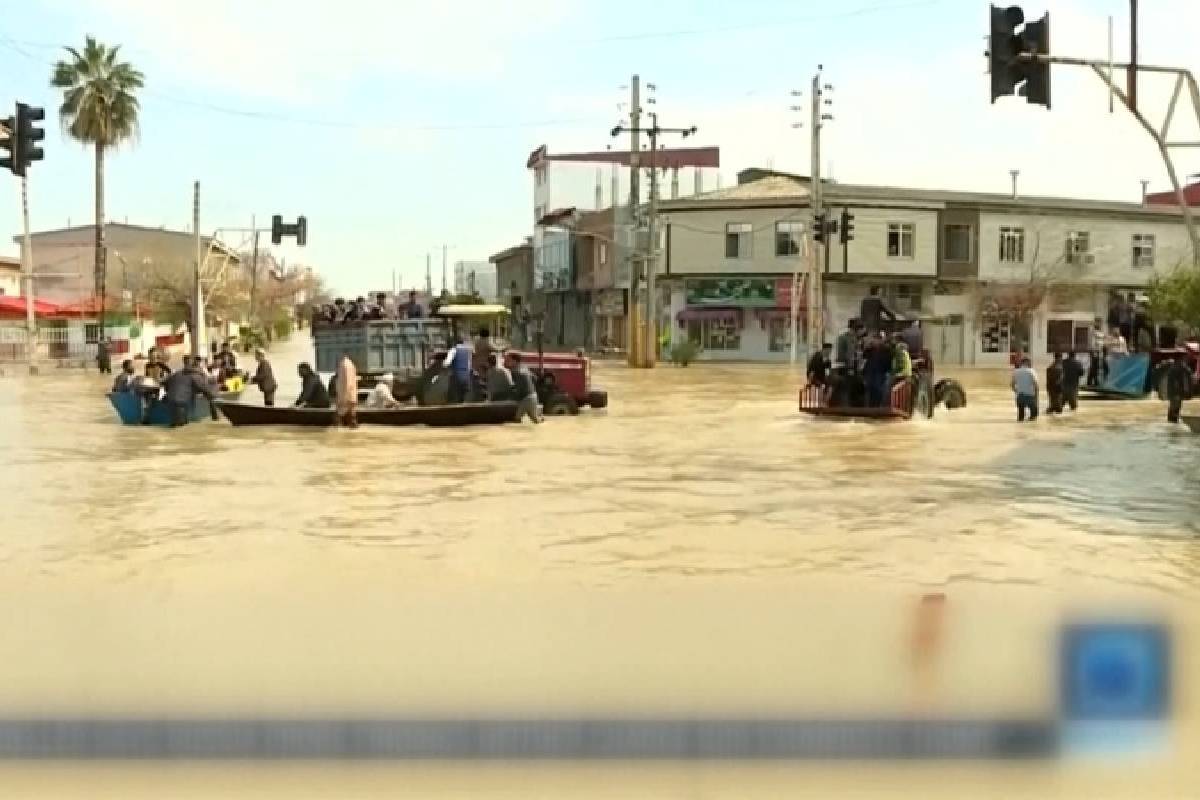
[399, 127]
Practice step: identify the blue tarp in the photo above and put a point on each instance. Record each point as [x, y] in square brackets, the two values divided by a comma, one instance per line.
[1127, 374]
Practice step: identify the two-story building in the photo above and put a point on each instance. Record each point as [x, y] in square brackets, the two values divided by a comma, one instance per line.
[10, 276]
[985, 273]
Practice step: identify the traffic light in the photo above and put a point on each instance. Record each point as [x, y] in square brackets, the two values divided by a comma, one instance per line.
[819, 227]
[847, 226]
[1006, 44]
[9, 144]
[279, 230]
[22, 138]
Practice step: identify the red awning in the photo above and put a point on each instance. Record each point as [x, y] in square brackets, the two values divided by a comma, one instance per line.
[16, 305]
[718, 314]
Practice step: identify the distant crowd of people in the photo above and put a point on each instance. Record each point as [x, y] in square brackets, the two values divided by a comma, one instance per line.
[381, 306]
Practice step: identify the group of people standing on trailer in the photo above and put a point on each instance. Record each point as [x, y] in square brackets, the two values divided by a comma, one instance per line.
[867, 361]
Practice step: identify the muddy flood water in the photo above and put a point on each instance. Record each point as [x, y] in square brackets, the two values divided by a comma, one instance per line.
[698, 548]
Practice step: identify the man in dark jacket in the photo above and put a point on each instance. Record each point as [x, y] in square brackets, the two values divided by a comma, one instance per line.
[182, 388]
[226, 360]
[1054, 385]
[872, 311]
[1072, 374]
[104, 355]
[264, 377]
[125, 378]
[877, 372]
[312, 392]
[1179, 380]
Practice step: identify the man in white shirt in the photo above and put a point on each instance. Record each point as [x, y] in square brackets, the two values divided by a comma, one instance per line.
[1116, 344]
[1025, 387]
[381, 396]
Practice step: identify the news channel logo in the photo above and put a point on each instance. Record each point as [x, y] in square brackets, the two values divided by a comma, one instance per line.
[1115, 690]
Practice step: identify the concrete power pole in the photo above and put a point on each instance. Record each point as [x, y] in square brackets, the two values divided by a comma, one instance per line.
[633, 345]
[444, 268]
[815, 249]
[253, 271]
[27, 274]
[198, 298]
[429, 274]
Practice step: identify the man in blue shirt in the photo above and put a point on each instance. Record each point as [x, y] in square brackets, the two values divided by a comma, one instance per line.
[458, 361]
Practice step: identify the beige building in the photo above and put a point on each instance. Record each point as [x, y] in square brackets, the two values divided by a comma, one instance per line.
[64, 259]
[951, 259]
[10, 276]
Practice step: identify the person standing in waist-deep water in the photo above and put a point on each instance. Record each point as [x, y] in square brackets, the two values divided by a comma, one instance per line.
[347, 393]
[1179, 379]
[182, 388]
[104, 355]
[458, 361]
[1072, 374]
[1054, 385]
[1025, 388]
[264, 377]
[525, 388]
[125, 378]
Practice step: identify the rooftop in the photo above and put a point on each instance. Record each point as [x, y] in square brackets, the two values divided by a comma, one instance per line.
[132, 228]
[766, 187]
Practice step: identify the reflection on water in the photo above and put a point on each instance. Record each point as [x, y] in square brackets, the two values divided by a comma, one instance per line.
[701, 471]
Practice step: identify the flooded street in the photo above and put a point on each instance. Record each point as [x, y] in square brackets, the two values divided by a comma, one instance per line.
[698, 547]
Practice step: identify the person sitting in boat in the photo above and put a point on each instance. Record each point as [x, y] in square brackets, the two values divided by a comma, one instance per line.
[225, 359]
[1117, 346]
[313, 393]
[381, 396]
[125, 381]
[156, 368]
[500, 385]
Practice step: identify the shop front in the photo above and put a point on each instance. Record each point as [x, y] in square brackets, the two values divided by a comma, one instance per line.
[736, 319]
[609, 320]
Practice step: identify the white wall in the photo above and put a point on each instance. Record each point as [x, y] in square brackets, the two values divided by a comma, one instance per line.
[1110, 240]
[868, 250]
[10, 283]
[698, 242]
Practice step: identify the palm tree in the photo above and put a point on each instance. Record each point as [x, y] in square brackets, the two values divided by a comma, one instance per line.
[99, 108]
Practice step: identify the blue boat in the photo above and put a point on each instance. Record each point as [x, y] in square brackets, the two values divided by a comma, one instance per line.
[129, 408]
[1128, 378]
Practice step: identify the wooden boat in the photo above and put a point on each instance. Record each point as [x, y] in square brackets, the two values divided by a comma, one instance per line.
[449, 416]
[1192, 422]
[903, 402]
[129, 409]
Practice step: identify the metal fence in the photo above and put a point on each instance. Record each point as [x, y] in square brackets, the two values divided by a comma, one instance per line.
[54, 345]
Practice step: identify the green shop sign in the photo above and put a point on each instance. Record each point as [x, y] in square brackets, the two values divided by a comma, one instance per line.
[743, 292]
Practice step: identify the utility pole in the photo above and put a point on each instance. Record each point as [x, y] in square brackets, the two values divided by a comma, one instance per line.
[444, 249]
[198, 299]
[649, 344]
[429, 274]
[27, 273]
[633, 346]
[253, 270]
[816, 322]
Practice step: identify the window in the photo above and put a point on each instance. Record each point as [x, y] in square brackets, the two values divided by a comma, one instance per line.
[91, 333]
[1012, 245]
[602, 253]
[1143, 250]
[957, 242]
[715, 334]
[779, 335]
[996, 334]
[1065, 335]
[787, 238]
[906, 297]
[737, 239]
[1077, 247]
[900, 237]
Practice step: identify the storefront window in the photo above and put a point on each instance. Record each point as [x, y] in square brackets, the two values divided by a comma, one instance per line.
[715, 334]
[779, 335]
[996, 335]
[1065, 335]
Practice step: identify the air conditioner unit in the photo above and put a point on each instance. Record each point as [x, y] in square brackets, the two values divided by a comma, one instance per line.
[1087, 259]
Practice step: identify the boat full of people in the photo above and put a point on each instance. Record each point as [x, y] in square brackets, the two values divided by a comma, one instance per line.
[163, 397]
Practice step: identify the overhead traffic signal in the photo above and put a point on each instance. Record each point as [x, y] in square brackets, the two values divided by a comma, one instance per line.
[820, 226]
[1007, 42]
[279, 229]
[21, 139]
[847, 227]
